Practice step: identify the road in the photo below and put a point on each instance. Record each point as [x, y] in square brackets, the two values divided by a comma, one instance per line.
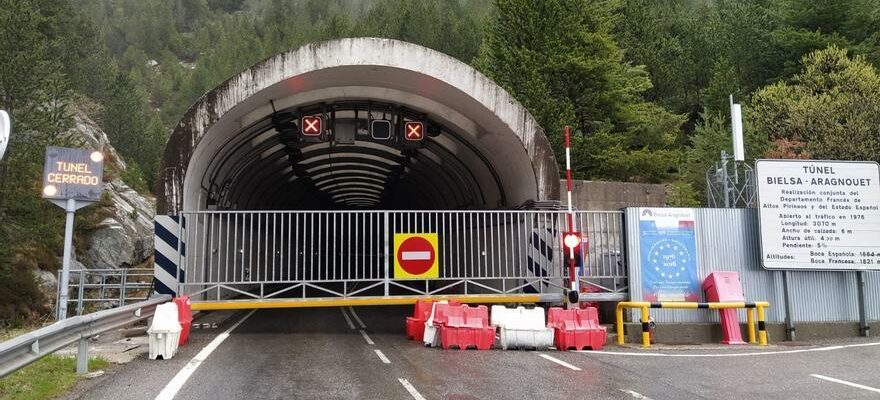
[362, 353]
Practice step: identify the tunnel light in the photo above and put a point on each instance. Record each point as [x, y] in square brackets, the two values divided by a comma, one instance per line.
[312, 125]
[380, 129]
[414, 131]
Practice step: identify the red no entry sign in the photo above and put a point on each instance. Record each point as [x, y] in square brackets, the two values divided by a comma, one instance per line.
[415, 256]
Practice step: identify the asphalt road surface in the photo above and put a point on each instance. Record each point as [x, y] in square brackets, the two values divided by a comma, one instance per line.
[362, 353]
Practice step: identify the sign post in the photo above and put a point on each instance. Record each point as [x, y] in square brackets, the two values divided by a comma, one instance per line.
[72, 179]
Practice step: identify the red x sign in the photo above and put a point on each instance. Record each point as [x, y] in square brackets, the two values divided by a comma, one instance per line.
[311, 125]
[414, 131]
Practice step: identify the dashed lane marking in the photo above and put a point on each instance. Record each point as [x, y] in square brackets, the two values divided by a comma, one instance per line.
[357, 318]
[411, 389]
[560, 362]
[382, 356]
[347, 319]
[847, 383]
[366, 337]
[756, 353]
[635, 395]
[180, 379]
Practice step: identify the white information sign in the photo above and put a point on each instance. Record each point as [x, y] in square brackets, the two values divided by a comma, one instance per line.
[819, 215]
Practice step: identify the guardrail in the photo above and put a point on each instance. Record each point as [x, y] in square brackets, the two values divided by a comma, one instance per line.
[644, 306]
[25, 349]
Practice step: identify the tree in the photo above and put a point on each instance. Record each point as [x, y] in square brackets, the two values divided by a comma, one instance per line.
[560, 59]
[832, 106]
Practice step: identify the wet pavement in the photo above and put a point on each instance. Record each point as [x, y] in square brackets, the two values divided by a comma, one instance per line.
[362, 353]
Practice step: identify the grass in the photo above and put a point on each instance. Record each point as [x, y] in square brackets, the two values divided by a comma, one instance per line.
[44, 379]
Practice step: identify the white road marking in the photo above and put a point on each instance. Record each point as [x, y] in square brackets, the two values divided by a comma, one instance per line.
[415, 255]
[635, 394]
[411, 389]
[560, 362]
[180, 379]
[357, 318]
[847, 383]
[756, 353]
[367, 338]
[382, 356]
[347, 319]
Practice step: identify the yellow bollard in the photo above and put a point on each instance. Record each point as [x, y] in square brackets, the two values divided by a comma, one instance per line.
[750, 316]
[762, 328]
[620, 336]
[646, 337]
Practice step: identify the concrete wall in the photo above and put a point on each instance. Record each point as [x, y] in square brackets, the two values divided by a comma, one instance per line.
[613, 196]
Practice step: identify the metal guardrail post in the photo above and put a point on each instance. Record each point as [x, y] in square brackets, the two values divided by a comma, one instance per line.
[82, 289]
[122, 283]
[82, 356]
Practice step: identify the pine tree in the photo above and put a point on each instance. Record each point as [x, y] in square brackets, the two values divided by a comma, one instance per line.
[560, 59]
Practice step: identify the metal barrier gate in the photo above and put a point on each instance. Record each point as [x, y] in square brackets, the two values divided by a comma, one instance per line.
[349, 254]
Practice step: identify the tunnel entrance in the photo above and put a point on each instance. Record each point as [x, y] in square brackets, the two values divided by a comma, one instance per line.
[243, 146]
[292, 178]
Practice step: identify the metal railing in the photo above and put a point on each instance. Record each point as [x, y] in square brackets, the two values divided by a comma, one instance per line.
[645, 306]
[108, 287]
[29, 347]
[303, 254]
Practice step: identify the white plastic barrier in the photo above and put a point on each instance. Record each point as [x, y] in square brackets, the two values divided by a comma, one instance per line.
[499, 315]
[522, 328]
[164, 332]
[432, 338]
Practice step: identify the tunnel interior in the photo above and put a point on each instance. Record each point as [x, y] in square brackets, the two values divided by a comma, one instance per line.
[362, 158]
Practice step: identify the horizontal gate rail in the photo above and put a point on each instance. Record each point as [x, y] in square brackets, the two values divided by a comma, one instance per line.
[29, 347]
[308, 254]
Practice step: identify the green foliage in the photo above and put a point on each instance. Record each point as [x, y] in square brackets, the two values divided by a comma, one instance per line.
[560, 59]
[832, 105]
[44, 379]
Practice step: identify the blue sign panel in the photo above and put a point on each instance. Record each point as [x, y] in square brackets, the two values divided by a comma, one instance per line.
[669, 254]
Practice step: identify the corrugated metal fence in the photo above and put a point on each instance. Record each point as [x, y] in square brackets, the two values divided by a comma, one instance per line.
[728, 240]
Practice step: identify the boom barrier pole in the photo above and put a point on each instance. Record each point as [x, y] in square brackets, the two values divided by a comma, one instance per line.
[572, 274]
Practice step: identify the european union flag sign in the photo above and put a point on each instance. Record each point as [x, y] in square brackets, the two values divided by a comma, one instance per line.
[669, 254]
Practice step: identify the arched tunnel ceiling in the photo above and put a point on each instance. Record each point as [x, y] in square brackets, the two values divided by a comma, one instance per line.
[236, 149]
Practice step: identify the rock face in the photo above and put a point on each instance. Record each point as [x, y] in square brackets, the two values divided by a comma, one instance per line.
[125, 237]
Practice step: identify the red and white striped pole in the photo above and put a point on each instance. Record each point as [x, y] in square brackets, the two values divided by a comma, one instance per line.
[572, 274]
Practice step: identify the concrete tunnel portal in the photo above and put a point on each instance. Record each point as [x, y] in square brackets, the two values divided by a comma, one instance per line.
[240, 148]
